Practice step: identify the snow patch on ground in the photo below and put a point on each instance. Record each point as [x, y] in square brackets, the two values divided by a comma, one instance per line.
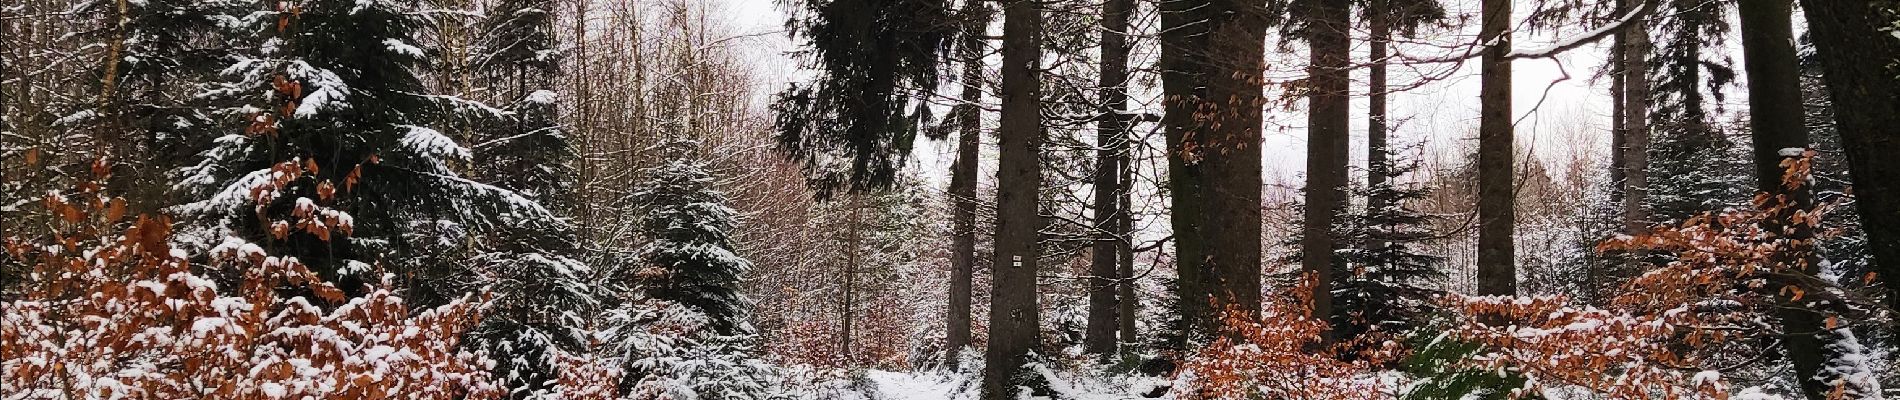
[888, 385]
[953, 385]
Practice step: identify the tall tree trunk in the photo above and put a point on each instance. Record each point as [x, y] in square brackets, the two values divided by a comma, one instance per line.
[1328, 138]
[963, 180]
[1779, 133]
[588, 174]
[1596, 276]
[1496, 198]
[1619, 136]
[1014, 315]
[1230, 157]
[1184, 28]
[1635, 126]
[1857, 55]
[1110, 141]
[1378, 168]
[1212, 60]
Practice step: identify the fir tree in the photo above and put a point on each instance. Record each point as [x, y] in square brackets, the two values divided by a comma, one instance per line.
[1695, 161]
[343, 124]
[157, 55]
[669, 351]
[1386, 283]
[523, 148]
[684, 331]
[341, 102]
[690, 259]
[526, 151]
[875, 57]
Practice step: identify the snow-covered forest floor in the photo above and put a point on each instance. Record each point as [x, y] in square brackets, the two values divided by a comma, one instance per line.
[949, 384]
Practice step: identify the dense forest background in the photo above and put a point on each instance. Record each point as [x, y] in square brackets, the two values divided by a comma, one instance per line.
[949, 199]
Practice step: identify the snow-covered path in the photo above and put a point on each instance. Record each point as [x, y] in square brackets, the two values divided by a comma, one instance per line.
[890, 385]
[908, 386]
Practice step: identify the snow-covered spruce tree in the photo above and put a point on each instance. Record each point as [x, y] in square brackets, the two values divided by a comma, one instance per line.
[331, 88]
[669, 351]
[684, 330]
[1700, 168]
[689, 258]
[526, 151]
[523, 149]
[1387, 287]
[1694, 162]
[874, 57]
[157, 54]
[344, 105]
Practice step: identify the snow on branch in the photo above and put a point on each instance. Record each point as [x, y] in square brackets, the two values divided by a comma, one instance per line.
[1474, 50]
[1591, 36]
[426, 141]
[486, 205]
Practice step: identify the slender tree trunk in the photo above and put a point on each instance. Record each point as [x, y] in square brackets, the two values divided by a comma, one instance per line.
[1779, 133]
[1015, 318]
[1635, 125]
[1129, 304]
[1378, 168]
[1857, 55]
[1110, 141]
[847, 313]
[963, 180]
[1496, 198]
[1328, 136]
[1596, 275]
[1125, 259]
[583, 114]
[1619, 137]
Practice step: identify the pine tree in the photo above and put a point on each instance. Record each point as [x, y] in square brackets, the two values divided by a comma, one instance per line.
[1329, 121]
[969, 121]
[685, 333]
[1383, 252]
[158, 55]
[1015, 312]
[339, 125]
[1387, 284]
[1705, 168]
[522, 148]
[875, 57]
[1112, 142]
[1210, 57]
[1821, 353]
[669, 351]
[527, 151]
[690, 258]
[1497, 274]
[1692, 157]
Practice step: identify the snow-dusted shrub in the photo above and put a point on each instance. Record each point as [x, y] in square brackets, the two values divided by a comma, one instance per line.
[109, 309]
[1668, 333]
[1284, 355]
[671, 351]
